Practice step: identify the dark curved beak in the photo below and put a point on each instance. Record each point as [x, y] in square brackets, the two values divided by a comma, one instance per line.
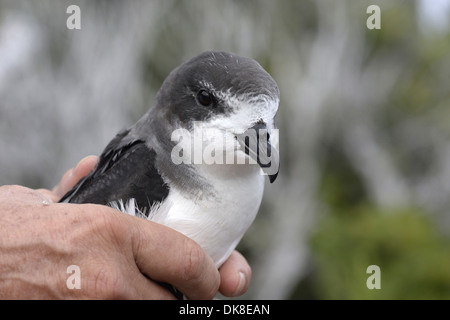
[257, 144]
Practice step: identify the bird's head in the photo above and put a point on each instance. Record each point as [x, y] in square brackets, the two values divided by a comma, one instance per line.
[231, 101]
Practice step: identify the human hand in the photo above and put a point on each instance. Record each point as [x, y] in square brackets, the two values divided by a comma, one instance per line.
[93, 236]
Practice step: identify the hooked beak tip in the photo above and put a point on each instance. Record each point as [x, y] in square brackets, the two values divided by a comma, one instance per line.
[273, 177]
[259, 149]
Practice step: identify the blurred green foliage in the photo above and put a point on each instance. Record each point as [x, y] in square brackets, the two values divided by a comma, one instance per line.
[353, 232]
[413, 257]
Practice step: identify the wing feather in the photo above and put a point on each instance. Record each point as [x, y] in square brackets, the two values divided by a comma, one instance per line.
[126, 169]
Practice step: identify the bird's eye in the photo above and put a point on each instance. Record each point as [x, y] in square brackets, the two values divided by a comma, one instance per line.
[205, 98]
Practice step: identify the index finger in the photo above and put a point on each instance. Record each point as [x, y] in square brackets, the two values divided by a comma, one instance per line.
[72, 176]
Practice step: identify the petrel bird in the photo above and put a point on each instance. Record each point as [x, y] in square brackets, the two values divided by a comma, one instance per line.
[148, 170]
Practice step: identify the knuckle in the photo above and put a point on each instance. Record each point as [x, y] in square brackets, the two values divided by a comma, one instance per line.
[107, 223]
[192, 264]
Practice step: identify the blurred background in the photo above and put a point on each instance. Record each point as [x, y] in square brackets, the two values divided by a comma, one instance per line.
[364, 123]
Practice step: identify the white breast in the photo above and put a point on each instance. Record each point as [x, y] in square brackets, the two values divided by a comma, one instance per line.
[216, 223]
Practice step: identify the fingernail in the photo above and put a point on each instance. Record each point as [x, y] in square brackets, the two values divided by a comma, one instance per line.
[241, 285]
